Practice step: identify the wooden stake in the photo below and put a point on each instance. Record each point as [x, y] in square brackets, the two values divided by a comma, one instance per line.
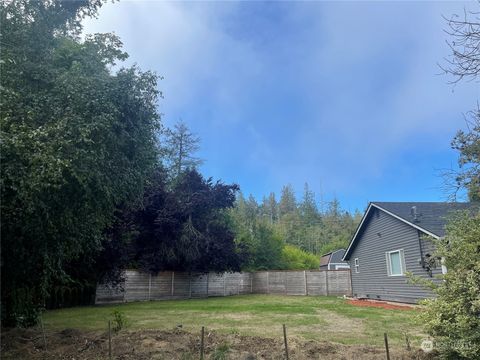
[407, 341]
[109, 340]
[386, 345]
[43, 334]
[285, 341]
[202, 343]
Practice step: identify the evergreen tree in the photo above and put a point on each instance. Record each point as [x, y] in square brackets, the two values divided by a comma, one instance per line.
[288, 203]
[180, 147]
[270, 208]
[308, 207]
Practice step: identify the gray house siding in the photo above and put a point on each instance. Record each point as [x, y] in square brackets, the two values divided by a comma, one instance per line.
[381, 233]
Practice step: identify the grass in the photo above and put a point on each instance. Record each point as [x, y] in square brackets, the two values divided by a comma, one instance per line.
[310, 318]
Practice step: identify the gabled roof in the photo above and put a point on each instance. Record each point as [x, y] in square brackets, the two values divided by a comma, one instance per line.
[332, 257]
[431, 217]
[337, 256]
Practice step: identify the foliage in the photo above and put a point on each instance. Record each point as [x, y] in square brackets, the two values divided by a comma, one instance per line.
[185, 226]
[221, 352]
[468, 146]
[294, 258]
[119, 320]
[179, 148]
[265, 229]
[77, 141]
[453, 318]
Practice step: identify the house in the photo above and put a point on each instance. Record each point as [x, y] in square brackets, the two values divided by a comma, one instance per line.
[393, 238]
[333, 261]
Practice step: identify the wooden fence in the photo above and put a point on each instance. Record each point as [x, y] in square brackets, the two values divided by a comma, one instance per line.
[139, 286]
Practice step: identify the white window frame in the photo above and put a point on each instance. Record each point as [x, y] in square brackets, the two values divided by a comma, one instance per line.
[389, 262]
[357, 266]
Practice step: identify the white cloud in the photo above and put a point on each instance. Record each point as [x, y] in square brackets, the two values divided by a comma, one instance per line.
[350, 84]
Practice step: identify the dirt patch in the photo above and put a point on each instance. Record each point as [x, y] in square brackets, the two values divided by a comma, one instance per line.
[380, 304]
[176, 344]
[338, 323]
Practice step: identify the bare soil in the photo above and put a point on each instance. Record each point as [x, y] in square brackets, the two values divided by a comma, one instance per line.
[178, 344]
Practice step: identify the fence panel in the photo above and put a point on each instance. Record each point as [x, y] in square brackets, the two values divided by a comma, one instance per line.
[295, 283]
[317, 283]
[140, 286]
[136, 286]
[199, 285]
[216, 284]
[181, 285]
[107, 295]
[339, 283]
[260, 282]
[161, 286]
[277, 282]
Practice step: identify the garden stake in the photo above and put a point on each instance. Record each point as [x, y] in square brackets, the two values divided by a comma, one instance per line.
[407, 341]
[43, 334]
[202, 343]
[285, 341]
[386, 345]
[109, 340]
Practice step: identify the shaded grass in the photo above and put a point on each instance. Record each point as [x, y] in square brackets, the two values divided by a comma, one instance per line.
[311, 318]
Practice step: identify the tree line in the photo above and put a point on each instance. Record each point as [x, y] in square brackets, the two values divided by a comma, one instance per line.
[288, 233]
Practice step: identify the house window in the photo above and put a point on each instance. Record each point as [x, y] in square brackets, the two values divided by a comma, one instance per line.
[357, 267]
[395, 263]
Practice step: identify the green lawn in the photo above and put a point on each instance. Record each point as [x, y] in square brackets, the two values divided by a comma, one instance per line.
[310, 318]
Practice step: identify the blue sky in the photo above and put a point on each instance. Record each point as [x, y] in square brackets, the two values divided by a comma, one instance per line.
[346, 96]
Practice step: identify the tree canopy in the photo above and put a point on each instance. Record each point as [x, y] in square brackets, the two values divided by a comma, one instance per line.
[77, 140]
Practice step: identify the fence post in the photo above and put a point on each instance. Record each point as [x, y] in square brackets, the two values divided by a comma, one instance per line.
[173, 282]
[268, 282]
[326, 281]
[189, 285]
[202, 343]
[224, 275]
[305, 279]
[207, 283]
[386, 345]
[251, 282]
[149, 286]
[109, 340]
[285, 341]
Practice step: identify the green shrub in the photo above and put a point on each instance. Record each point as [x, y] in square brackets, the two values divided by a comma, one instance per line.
[119, 320]
[453, 318]
[294, 258]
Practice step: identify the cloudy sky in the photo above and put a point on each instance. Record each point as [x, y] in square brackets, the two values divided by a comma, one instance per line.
[346, 96]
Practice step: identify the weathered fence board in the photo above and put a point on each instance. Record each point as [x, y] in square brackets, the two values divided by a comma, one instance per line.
[260, 282]
[140, 286]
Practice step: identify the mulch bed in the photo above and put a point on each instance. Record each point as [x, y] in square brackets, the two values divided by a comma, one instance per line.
[380, 304]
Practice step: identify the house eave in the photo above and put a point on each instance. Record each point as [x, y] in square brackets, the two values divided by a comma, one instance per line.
[346, 257]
